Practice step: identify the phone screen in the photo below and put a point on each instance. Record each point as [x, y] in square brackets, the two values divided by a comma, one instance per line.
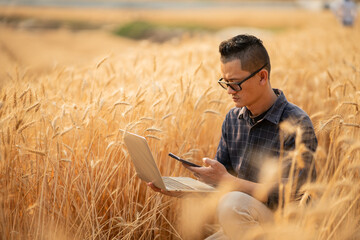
[183, 161]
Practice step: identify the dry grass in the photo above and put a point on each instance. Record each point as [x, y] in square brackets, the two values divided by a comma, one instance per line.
[65, 173]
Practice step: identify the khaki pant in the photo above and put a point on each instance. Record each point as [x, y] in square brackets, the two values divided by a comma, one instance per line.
[240, 214]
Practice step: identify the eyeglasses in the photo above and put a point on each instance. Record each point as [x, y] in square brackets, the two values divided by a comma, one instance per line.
[236, 86]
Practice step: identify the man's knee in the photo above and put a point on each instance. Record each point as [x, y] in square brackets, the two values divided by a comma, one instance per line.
[242, 208]
[234, 205]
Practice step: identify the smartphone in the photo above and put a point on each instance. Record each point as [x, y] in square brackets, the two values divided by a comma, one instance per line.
[183, 161]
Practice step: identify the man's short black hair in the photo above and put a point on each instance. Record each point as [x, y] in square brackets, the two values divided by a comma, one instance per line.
[248, 49]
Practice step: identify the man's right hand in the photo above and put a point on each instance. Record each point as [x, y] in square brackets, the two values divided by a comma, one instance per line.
[213, 174]
[167, 193]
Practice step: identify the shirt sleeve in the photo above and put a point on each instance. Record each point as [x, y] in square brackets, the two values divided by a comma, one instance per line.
[222, 153]
[304, 167]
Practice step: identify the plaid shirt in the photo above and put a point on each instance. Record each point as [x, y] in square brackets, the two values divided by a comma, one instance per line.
[245, 146]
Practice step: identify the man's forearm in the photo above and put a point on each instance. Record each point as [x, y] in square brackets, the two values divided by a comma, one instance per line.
[216, 174]
[257, 190]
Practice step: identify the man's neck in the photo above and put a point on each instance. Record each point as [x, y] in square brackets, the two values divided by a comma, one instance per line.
[267, 100]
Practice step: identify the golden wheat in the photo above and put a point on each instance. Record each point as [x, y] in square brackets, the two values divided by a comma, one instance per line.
[66, 174]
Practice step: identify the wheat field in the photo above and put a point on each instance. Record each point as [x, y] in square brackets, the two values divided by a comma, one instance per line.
[66, 174]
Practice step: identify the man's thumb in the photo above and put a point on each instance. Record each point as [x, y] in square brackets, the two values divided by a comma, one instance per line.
[210, 162]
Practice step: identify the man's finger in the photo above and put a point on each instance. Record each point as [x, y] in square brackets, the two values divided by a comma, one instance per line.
[171, 194]
[193, 169]
[210, 162]
[153, 187]
[196, 175]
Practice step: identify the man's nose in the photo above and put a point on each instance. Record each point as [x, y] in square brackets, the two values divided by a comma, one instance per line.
[230, 90]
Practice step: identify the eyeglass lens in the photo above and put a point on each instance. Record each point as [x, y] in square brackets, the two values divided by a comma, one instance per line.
[235, 87]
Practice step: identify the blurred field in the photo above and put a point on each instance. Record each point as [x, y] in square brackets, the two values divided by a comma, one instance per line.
[67, 96]
[51, 37]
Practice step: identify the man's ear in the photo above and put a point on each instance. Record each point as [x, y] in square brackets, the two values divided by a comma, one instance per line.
[264, 77]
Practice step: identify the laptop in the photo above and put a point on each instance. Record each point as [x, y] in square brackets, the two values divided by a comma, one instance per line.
[147, 170]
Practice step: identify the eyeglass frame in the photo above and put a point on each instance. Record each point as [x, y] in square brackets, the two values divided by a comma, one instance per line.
[228, 84]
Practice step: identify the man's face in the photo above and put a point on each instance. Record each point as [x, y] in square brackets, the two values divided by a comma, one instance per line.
[251, 91]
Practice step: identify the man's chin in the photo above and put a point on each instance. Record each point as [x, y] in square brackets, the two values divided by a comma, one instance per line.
[238, 105]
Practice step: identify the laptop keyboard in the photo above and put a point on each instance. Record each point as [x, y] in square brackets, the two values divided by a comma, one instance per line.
[173, 184]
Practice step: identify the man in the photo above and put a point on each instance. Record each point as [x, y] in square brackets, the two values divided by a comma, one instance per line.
[251, 136]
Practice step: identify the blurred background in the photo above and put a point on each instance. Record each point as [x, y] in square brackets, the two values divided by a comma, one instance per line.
[40, 34]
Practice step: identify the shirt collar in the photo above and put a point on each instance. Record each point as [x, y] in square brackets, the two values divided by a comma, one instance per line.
[274, 113]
